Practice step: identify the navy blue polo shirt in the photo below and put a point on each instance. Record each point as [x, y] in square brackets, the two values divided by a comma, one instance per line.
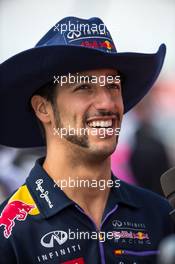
[40, 224]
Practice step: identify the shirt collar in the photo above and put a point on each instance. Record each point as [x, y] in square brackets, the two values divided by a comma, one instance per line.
[50, 199]
[125, 194]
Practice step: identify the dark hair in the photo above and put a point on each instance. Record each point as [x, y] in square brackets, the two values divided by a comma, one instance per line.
[48, 91]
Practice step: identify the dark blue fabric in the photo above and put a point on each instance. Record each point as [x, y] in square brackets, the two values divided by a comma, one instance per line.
[140, 217]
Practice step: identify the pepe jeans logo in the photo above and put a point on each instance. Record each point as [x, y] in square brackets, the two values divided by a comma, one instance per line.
[44, 194]
[48, 239]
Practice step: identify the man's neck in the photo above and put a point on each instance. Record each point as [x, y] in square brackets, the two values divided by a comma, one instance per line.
[81, 181]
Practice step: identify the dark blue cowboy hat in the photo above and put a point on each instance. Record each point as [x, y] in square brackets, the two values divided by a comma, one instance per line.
[72, 45]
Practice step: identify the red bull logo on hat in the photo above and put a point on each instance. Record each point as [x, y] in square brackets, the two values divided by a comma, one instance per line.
[16, 210]
[106, 44]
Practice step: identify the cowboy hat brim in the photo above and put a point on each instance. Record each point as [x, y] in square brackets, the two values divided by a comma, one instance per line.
[24, 73]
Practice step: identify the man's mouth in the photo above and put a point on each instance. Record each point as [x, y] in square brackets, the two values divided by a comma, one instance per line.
[101, 123]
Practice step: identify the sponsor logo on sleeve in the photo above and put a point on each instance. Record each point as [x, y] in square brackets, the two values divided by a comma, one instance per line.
[16, 210]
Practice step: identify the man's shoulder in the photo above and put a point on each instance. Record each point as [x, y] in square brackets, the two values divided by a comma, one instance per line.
[15, 210]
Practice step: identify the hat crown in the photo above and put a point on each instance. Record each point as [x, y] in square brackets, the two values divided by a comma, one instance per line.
[89, 33]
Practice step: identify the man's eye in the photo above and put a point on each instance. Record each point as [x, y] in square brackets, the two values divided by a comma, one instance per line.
[114, 86]
[83, 87]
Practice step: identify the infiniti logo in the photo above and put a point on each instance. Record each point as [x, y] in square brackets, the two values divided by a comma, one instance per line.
[73, 34]
[48, 239]
[117, 223]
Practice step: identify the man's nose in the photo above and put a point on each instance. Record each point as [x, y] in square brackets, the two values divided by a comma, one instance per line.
[104, 100]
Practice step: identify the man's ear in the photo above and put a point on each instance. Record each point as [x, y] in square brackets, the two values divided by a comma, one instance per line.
[41, 108]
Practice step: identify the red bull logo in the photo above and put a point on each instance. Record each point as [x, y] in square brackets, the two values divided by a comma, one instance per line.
[125, 234]
[15, 210]
[140, 236]
[98, 44]
[90, 44]
[107, 44]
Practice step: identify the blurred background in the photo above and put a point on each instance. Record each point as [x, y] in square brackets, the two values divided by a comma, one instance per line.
[147, 141]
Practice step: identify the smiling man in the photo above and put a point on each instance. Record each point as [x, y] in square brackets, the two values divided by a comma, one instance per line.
[85, 155]
[61, 211]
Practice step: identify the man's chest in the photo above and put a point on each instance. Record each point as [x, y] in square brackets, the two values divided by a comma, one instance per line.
[124, 237]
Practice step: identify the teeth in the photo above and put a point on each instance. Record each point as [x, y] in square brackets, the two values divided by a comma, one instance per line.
[100, 123]
[103, 123]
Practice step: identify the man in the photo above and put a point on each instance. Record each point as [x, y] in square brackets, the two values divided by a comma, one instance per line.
[74, 88]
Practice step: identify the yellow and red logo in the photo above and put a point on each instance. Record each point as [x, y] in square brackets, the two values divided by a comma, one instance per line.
[98, 44]
[18, 207]
[107, 44]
